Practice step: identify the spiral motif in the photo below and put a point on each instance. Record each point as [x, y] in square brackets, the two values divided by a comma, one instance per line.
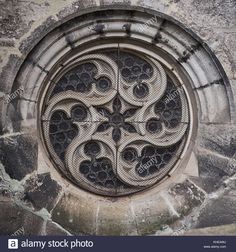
[116, 122]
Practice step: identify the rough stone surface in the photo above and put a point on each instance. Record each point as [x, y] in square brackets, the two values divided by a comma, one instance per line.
[54, 229]
[156, 216]
[208, 184]
[220, 211]
[214, 168]
[120, 222]
[206, 202]
[42, 191]
[217, 139]
[188, 192]
[75, 217]
[18, 154]
[218, 230]
[15, 219]
[12, 20]
[36, 35]
[12, 66]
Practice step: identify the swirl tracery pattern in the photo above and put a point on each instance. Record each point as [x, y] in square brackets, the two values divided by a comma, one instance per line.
[115, 123]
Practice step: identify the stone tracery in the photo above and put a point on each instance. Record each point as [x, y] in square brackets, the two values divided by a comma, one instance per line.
[108, 125]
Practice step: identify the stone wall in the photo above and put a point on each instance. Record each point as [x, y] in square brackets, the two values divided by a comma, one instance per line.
[36, 200]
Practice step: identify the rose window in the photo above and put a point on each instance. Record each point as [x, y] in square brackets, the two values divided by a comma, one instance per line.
[115, 122]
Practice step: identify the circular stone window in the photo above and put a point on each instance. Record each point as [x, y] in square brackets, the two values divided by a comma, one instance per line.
[122, 103]
[115, 121]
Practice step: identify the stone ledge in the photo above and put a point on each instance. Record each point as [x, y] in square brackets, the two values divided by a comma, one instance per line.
[126, 215]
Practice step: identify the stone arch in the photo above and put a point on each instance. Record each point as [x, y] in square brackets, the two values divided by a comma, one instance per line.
[191, 59]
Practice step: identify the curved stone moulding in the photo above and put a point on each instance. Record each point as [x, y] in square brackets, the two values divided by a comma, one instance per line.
[184, 57]
[54, 49]
[141, 110]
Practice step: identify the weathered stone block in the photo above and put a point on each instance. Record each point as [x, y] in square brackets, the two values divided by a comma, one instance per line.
[14, 219]
[217, 139]
[28, 43]
[54, 229]
[208, 184]
[217, 212]
[188, 194]
[116, 219]
[211, 164]
[78, 5]
[12, 22]
[213, 102]
[9, 72]
[11, 217]
[213, 169]
[11, 120]
[42, 191]
[218, 230]
[18, 155]
[75, 216]
[155, 216]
